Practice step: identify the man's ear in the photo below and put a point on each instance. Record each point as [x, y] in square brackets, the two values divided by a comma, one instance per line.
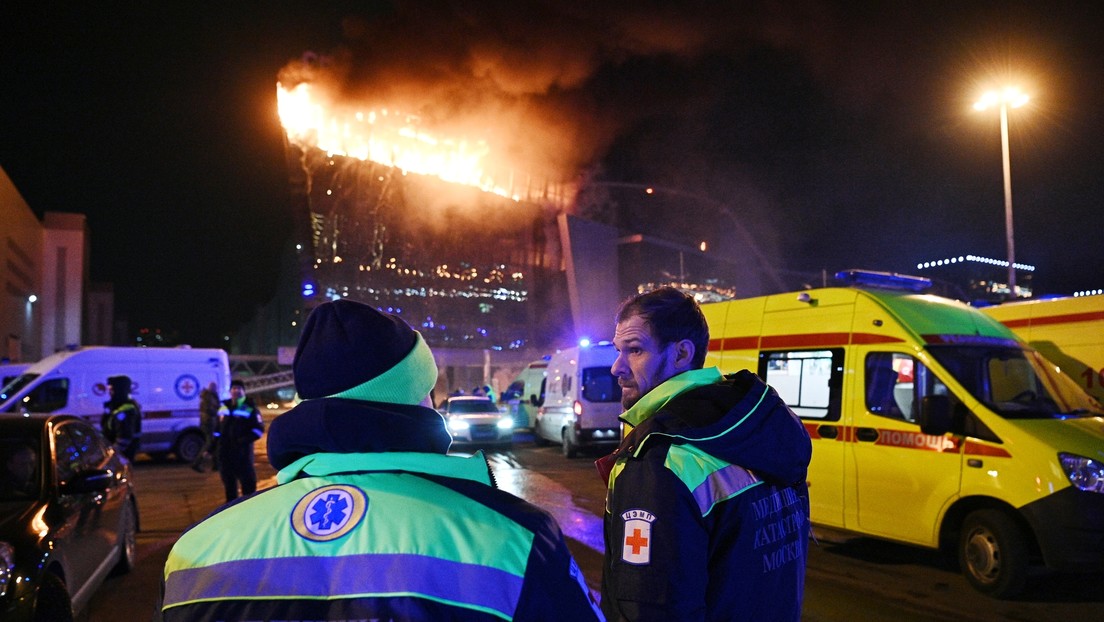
[684, 354]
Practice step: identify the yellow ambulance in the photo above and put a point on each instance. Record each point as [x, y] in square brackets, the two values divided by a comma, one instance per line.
[1068, 331]
[932, 424]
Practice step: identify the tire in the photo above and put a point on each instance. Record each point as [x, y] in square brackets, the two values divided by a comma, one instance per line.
[570, 449]
[993, 553]
[188, 447]
[52, 603]
[128, 551]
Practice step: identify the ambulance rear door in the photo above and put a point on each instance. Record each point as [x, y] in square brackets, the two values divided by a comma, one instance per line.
[803, 357]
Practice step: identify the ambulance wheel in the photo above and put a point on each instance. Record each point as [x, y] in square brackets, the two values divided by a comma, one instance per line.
[188, 447]
[570, 449]
[992, 550]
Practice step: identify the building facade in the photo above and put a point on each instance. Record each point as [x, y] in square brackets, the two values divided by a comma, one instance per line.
[44, 274]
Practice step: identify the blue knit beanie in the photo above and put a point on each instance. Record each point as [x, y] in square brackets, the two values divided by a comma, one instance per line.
[350, 350]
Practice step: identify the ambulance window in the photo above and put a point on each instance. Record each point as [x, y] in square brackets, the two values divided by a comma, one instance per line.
[48, 396]
[809, 381]
[895, 384]
[599, 385]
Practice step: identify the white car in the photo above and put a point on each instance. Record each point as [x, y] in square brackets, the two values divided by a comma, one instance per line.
[475, 419]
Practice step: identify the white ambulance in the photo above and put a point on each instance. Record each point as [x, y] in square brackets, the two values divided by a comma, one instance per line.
[526, 392]
[582, 400]
[931, 423]
[166, 385]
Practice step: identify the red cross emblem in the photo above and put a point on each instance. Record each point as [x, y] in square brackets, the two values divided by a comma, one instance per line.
[637, 545]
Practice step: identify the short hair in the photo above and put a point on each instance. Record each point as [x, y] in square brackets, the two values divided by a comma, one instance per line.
[672, 315]
[237, 383]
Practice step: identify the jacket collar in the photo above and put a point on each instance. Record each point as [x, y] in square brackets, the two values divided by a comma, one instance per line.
[668, 389]
[471, 468]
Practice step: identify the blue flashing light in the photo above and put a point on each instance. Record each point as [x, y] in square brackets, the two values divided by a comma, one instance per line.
[884, 280]
[308, 289]
[584, 342]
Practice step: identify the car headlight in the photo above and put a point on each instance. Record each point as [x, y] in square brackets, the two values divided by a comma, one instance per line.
[7, 567]
[458, 425]
[1084, 473]
[505, 423]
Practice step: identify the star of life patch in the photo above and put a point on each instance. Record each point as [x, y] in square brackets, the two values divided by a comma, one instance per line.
[329, 512]
[636, 545]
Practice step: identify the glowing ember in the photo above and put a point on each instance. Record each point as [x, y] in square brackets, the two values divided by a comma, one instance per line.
[384, 136]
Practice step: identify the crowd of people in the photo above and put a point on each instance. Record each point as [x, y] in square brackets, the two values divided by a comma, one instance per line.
[372, 518]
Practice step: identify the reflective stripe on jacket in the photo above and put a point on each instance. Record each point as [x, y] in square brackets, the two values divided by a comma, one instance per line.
[391, 536]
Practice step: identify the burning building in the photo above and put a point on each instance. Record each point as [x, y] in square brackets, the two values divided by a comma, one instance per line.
[422, 225]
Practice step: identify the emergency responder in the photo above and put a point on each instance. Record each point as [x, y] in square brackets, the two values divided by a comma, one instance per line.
[240, 425]
[370, 518]
[122, 419]
[209, 423]
[707, 511]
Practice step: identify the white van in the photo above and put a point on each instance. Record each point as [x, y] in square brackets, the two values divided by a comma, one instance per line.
[526, 392]
[582, 400]
[166, 385]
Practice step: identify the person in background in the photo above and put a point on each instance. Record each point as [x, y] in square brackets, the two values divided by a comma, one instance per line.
[371, 518]
[240, 425]
[209, 424]
[707, 509]
[20, 477]
[122, 419]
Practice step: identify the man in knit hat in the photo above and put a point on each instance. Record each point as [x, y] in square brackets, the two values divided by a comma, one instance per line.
[370, 518]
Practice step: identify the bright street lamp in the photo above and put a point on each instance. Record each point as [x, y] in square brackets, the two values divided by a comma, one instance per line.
[1014, 97]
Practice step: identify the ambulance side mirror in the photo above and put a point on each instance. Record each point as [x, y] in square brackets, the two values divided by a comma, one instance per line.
[935, 415]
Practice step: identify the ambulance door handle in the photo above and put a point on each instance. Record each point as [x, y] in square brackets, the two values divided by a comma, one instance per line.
[827, 431]
[867, 435]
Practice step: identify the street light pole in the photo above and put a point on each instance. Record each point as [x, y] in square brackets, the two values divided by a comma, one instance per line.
[1008, 200]
[1010, 96]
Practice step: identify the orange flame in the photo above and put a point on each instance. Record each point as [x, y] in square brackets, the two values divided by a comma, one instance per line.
[384, 136]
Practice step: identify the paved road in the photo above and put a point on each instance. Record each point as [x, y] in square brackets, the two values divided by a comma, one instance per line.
[863, 579]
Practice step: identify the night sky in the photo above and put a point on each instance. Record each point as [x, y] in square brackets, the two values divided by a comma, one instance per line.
[840, 133]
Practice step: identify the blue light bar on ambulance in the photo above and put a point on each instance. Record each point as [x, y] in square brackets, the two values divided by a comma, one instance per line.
[884, 280]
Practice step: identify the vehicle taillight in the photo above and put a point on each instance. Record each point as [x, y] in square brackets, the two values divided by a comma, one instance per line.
[577, 408]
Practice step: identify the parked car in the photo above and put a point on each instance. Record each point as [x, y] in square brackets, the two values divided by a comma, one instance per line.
[475, 419]
[68, 515]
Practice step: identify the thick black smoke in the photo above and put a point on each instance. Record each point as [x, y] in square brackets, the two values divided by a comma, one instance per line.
[822, 126]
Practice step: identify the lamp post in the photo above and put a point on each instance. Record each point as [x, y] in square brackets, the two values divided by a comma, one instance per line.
[1010, 96]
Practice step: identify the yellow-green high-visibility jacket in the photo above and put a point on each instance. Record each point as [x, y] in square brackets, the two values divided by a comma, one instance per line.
[377, 536]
